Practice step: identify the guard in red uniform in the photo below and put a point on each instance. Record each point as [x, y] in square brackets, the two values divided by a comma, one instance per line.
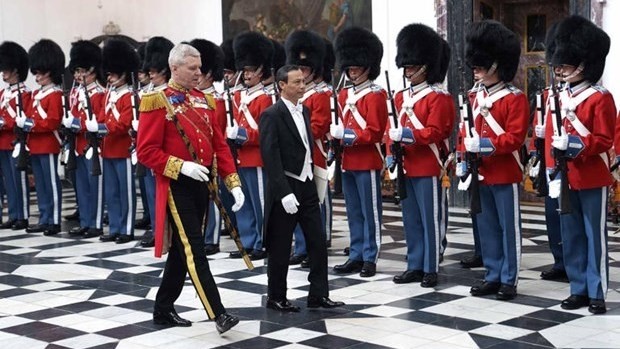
[425, 120]
[586, 135]
[47, 63]
[178, 141]
[501, 113]
[253, 56]
[364, 118]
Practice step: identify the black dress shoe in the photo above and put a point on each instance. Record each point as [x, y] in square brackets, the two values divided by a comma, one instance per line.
[37, 228]
[143, 223]
[92, 233]
[485, 288]
[73, 216]
[322, 302]
[575, 302]
[211, 249]
[554, 274]
[597, 306]
[283, 306]
[8, 224]
[296, 259]
[471, 262]
[237, 254]
[225, 322]
[147, 240]
[108, 238]
[408, 277]
[20, 224]
[506, 292]
[170, 318]
[349, 267]
[305, 263]
[429, 280]
[52, 229]
[123, 239]
[368, 269]
[258, 255]
[78, 231]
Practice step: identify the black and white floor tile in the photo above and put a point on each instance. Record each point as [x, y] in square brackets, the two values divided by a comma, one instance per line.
[60, 292]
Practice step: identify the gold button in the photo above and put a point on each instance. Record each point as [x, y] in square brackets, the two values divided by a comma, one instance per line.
[199, 140]
[202, 151]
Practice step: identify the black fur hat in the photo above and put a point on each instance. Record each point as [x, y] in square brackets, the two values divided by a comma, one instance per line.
[229, 54]
[577, 40]
[356, 46]
[156, 54]
[119, 57]
[329, 61]
[14, 57]
[445, 59]
[279, 56]
[306, 48]
[418, 44]
[253, 49]
[550, 42]
[488, 42]
[84, 54]
[46, 56]
[141, 53]
[212, 58]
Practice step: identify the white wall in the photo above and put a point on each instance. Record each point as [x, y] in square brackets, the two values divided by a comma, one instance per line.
[611, 10]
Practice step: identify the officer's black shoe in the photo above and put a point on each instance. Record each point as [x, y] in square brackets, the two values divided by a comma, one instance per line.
[8, 224]
[52, 229]
[485, 288]
[170, 318]
[471, 262]
[322, 302]
[36, 228]
[123, 239]
[237, 254]
[408, 277]
[258, 255]
[109, 237]
[143, 223]
[73, 216]
[147, 240]
[225, 322]
[211, 249]
[368, 269]
[575, 302]
[20, 224]
[296, 259]
[346, 251]
[597, 306]
[305, 263]
[554, 274]
[429, 280]
[92, 233]
[506, 292]
[78, 231]
[349, 267]
[284, 306]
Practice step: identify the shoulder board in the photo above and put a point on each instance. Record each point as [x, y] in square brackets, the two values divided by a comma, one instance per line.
[600, 88]
[153, 101]
[210, 100]
[513, 89]
[376, 88]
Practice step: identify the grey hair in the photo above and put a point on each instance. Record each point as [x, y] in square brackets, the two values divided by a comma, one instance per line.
[179, 52]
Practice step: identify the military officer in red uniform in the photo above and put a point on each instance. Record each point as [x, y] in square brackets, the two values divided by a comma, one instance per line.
[178, 141]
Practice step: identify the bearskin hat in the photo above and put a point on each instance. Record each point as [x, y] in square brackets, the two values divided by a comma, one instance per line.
[119, 57]
[356, 46]
[141, 53]
[279, 56]
[229, 54]
[329, 60]
[577, 40]
[212, 58]
[306, 48]
[445, 59]
[84, 54]
[488, 42]
[550, 42]
[253, 49]
[46, 56]
[14, 57]
[156, 54]
[418, 44]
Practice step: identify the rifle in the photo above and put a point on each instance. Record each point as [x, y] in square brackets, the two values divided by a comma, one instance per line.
[335, 148]
[398, 152]
[540, 184]
[68, 145]
[471, 159]
[231, 121]
[92, 137]
[135, 108]
[22, 156]
[561, 166]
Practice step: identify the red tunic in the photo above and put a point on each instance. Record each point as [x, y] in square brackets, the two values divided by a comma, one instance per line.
[320, 118]
[78, 109]
[118, 117]
[248, 154]
[8, 101]
[46, 112]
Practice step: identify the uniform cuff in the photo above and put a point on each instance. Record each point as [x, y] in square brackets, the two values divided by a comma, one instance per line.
[173, 167]
[231, 181]
[486, 147]
[575, 146]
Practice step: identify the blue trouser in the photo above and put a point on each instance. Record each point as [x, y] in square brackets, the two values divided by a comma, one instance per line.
[250, 216]
[143, 199]
[16, 186]
[476, 233]
[499, 224]
[215, 223]
[584, 238]
[149, 193]
[554, 235]
[362, 193]
[90, 194]
[422, 223]
[326, 224]
[120, 195]
[47, 183]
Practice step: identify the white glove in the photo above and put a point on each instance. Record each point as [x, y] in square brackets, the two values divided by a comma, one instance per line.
[464, 185]
[67, 121]
[134, 125]
[472, 144]
[92, 125]
[539, 131]
[534, 169]
[396, 134]
[337, 131]
[195, 171]
[560, 142]
[20, 120]
[237, 194]
[232, 131]
[290, 203]
[555, 186]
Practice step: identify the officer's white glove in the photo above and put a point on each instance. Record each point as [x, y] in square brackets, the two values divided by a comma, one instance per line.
[336, 131]
[534, 169]
[539, 131]
[472, 144]
[92, 125]
[396, 134]
[555, 186]
[195, 171]
[560, 142]
[67, 121]
[232, 131]
[464, 185]
[20, 120]
[290, 203]
[134, 125]
[237, 194]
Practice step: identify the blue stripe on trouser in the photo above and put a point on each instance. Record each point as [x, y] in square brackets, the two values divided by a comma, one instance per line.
[362, 193]
[584, 238]
[421, 221]
[149, 188]
[552, 218]
[120, 195]
[250, 216]
[13, 184]
[499, 224]
[89, 189]
[326, 223]
[47, 186]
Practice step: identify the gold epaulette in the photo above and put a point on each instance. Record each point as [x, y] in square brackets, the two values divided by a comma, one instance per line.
[210, 101]
[153, 101]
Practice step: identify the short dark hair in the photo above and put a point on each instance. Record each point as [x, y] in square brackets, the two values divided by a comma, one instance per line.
[282, 73]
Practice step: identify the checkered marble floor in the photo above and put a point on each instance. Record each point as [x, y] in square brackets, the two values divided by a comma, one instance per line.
[60, 292]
